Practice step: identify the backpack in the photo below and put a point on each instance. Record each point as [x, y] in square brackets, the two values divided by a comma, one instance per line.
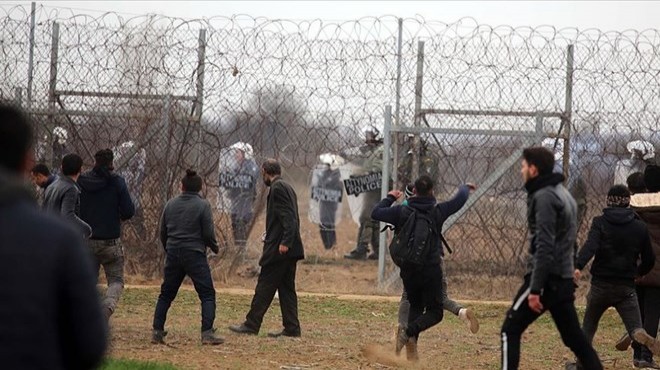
[413, 240]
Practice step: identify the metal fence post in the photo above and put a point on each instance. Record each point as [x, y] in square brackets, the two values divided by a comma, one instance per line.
[397, 106]
[52, 83]
[166, 128]
[568, 108]
[387, 141]
[199, 103]
[418, 107]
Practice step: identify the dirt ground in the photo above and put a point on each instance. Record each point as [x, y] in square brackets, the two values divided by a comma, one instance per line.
[338, 333]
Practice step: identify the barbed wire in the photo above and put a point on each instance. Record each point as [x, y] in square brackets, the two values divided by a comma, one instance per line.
[184, 89]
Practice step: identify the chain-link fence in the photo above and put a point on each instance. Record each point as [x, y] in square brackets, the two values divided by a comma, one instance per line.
[171, 94]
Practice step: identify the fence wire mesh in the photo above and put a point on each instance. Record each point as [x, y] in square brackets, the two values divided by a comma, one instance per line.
[170, 94]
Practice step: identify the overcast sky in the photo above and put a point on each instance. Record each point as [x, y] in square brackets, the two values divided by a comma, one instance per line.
[605, 15]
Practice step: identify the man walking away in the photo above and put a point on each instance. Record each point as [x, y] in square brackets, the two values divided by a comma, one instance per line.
[548, 285]
[63, 197]
[104, 204]
[616, 241]
[283, 249]
[422, 276]
[186, 230]
[50, 316]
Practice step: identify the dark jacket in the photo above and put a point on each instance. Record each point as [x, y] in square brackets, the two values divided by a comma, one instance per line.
[187, 222]
[63, 197]
[383, 211]
[50, 314]
[647, 207]
[282, 225]
[552, 221]
[104, 203]
[617, 239]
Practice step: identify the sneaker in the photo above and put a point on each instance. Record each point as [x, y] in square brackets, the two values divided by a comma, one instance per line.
[158, 336]
[642, 337]
[373, 257]
[209, 337]
[624, 343]
[643, 364]
[411, 350]
[468, 316]
[401, 340]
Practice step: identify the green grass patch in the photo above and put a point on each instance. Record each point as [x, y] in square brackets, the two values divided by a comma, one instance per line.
[113, 364]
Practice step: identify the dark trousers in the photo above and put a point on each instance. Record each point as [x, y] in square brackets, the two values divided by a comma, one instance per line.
[278, 277]
[558, 297]
[239, 226]
[423, 287]
[649, 305]
[603, 295]
[179, 263]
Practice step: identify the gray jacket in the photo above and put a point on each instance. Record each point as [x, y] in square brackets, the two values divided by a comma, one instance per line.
[187, 222]
[552, 220]
[63, 197]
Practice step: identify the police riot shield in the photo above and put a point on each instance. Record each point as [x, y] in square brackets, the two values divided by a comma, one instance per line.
[362, 189]
[326, 191]
[237, 182]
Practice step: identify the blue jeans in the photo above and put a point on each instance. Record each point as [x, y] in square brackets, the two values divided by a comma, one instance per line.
[181, 262]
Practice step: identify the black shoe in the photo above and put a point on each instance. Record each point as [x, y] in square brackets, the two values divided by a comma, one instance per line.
[158, 336]
[373, 257]
[242, 329]
[209, 337]
[356, 254]
[623, 343]
[284, 333]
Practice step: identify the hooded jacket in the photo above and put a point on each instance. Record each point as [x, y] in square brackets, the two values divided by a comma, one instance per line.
[617, 239]
[385, 212]
[647, 207]
[104, 202]
[48, 289]
[552, 221]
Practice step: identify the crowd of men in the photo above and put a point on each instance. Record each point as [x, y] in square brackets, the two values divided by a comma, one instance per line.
[50, 258]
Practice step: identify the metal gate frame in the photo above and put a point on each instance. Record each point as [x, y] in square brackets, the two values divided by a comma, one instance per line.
[529, 138]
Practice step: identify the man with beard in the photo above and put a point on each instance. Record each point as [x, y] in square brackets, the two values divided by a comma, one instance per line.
[282, 250]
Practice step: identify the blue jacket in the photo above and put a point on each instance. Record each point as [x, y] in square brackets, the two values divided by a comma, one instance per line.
[383, 211]
[104, 203]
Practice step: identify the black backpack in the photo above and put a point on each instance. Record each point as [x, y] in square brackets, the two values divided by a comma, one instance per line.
[413, 240]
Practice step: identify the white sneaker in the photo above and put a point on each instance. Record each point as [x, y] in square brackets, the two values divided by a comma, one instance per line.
[468, 316]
